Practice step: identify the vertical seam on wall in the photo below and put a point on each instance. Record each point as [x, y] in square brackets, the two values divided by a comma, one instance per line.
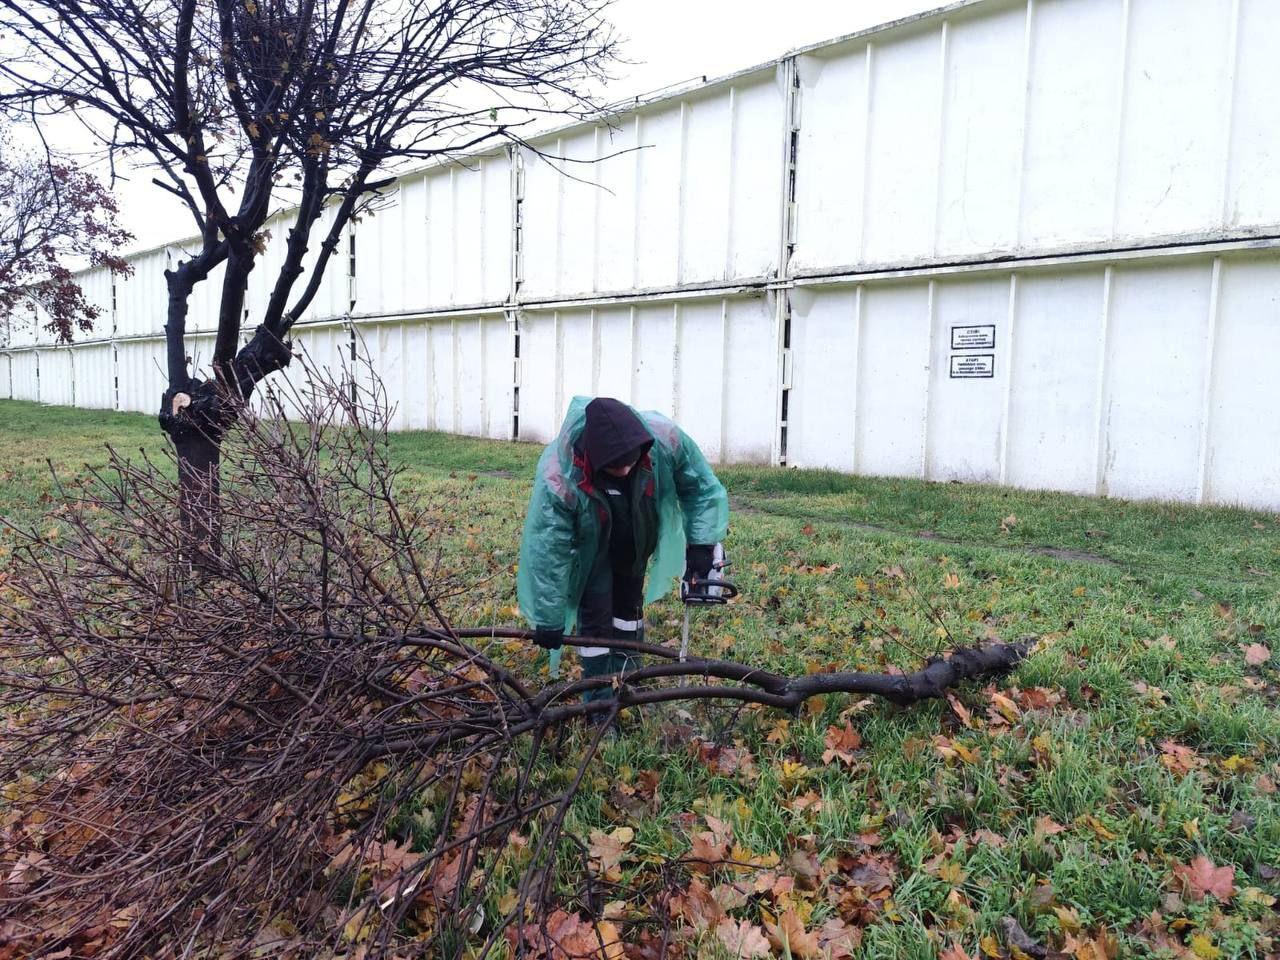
[1228, 115]
[597, 189]
[634, 334]
[677, 329]
[724, 381]
[856, 367]
[635, 206]
[456, 374]
[595, 353]
[1010, 367]
[557, 338]
[1028, 46]
[681, 206]
[928, 380]
[453, 229]
[557, 263]
[943, 57]
[429, 347]
[733, 179]
[1206, 400]
[1121, 98]
[484, 379]
[866, 150]
[1100, 401]
[481, 166]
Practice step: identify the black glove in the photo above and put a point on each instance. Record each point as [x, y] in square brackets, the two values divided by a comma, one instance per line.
[697, 561]
[549, 638]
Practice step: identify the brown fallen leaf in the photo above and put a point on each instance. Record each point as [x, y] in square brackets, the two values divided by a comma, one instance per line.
[1016, 938]
[742, 938]
[789, 934]
[1201, 879]
[1256, 654]
[841, 744]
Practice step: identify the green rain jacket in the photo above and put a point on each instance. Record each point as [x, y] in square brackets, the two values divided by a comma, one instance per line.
[564, 529]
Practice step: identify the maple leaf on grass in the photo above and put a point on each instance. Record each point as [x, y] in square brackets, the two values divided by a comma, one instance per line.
[610, 848]
[742, 938]
[1256, 654]
[1201, 879]
[789, 934]
[841, 743]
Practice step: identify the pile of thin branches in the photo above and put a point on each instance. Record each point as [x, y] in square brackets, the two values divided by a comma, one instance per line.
[275, 744]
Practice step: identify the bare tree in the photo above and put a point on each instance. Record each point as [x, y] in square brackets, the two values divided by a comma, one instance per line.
[53, 216]
[302, 756]
[238, 103]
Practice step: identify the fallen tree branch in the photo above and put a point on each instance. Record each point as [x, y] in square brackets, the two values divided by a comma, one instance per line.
[297, 754]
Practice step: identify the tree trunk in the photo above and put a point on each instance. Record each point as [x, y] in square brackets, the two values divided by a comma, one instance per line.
[198, 498]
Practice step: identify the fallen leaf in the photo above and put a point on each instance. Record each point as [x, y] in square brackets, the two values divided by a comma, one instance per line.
[841, 743]
[1047, 827]
[955, 952]
[1017, 940]
[839, 940]
[1256, 654]
[789, 934]
[1201, 878]
[742, 938]
[609, 849]
[1203, 947]
[960, 710]
[697, 906]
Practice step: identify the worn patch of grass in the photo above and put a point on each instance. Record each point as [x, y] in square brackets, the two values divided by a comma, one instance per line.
[1143, 627]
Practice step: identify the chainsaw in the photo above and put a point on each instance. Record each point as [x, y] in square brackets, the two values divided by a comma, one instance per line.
[714, 590]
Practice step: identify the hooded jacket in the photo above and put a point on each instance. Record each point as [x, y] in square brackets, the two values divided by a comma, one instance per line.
[566, 526]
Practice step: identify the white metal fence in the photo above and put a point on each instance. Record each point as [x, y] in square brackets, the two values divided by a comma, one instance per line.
[1033, 242]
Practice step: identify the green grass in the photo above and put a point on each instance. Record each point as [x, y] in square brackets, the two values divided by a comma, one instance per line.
[1142, 608]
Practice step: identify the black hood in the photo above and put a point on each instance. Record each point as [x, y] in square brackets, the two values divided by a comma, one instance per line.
[613, 433]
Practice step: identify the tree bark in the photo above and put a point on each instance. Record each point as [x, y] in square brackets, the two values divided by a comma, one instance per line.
[199, 456]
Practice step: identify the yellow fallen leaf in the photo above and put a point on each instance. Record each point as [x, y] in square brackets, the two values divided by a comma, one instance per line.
[1203, 947]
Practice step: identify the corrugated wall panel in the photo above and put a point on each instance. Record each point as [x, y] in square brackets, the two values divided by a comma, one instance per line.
[1173, 145]
[1253, 192]
[140, 375]
[95, 374]
[97, 285]
[6, 378]
[1054, 361]
[893, 379]
[982, 133]
[1243, 454]
[57, 378]
[903, 149]
[22, 325]
[1153, 388]
[1073, 121]
[442, 376]
[499, 377]
[966, 403]
[823, 405]
[680, 366]
[141, 298]
[23, 371]
[697, 202]
[1029, 126]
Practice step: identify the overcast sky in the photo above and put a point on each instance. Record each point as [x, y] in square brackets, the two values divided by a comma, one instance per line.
[667, 42]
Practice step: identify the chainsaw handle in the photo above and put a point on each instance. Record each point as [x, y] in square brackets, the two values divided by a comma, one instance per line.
[726, 590]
